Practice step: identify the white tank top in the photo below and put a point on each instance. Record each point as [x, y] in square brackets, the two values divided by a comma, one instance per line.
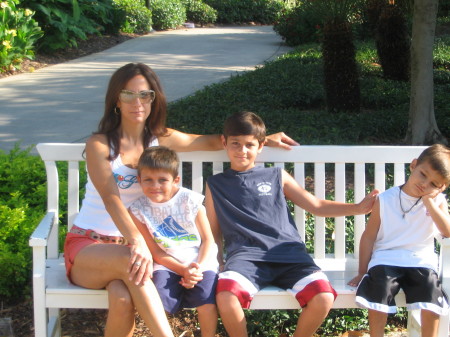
[405, 241]
[93, 214]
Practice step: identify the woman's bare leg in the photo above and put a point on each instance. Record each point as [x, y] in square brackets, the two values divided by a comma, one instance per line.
[95, 266]
[120, 321]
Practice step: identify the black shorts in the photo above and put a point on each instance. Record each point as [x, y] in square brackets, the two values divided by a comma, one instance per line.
[422, 287]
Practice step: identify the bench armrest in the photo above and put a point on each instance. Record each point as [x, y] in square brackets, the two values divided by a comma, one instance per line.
[444, 262]
[46, 235]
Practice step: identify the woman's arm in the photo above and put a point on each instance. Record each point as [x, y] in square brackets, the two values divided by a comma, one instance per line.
[184, 142]
[101, 175]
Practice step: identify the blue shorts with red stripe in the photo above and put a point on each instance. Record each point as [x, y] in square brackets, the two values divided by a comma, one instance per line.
[245, 278]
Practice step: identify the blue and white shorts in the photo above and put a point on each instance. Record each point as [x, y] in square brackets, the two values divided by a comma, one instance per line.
[245, 278]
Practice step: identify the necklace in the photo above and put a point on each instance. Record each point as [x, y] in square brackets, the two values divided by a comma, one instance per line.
[401, 207]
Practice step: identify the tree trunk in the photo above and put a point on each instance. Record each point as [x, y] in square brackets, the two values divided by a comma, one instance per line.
[340, 69]
[422, 126]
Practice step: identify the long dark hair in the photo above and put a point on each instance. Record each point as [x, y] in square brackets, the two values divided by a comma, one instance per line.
[155, 124]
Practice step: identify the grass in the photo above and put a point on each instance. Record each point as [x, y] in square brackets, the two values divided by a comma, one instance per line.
[288, 94]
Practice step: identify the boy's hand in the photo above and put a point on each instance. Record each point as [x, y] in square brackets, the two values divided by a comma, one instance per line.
[355, 281]
[191, 276]
[280, 139]
[433, 194]
[366, 204]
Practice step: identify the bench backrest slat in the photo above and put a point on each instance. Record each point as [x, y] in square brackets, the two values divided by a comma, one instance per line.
[326, 171]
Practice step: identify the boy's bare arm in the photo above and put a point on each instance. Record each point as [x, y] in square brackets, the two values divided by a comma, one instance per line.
[326, 208]
[159, 255]
[206, 235]
[366, 244]
[439, 213]
[214, 223]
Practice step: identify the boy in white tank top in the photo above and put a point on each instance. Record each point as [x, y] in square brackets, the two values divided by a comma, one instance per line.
[397, 246]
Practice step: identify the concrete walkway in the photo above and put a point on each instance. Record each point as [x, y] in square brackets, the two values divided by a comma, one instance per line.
[64, 102]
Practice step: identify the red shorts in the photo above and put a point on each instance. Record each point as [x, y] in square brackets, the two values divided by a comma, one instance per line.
[72, 246]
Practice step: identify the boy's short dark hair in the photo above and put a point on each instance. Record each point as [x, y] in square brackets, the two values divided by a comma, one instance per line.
[159, 158]
[245, 123]
[438, 156]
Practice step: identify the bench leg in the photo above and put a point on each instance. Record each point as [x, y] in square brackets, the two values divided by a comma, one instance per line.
[40, 321]
[54, 322]
[413, 326]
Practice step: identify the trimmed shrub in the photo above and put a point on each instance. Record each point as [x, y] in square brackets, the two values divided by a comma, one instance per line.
[167, 14]
[199, 12]
[240, 11]
[299, 25]
[133, 16]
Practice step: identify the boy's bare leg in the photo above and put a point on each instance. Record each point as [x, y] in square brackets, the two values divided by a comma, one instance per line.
[313, 314]
[430, 323]
[207, 317]
[377, 323]
[232, 314]
[97, 265]
[120, 321]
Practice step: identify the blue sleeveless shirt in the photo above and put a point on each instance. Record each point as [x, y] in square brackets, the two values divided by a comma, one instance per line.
[254, 217]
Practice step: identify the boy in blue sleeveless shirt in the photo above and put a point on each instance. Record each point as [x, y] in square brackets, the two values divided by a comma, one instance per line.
[246, 206]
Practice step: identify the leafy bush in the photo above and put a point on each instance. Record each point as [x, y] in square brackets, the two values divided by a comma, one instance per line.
[167, 14]
[65, 21]
[19, 33]
[241, 11]
[22, 204]
[199, 12]
[133, 16]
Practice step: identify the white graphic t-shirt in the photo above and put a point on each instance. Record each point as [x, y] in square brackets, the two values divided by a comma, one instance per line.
[172, 224]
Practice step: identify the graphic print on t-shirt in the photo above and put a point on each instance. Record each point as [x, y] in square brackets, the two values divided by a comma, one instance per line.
[124, 182]
[170, 229]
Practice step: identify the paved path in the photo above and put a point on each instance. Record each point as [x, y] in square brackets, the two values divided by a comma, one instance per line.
[64, 102]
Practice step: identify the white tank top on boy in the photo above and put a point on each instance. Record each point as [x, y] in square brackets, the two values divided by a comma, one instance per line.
[405, 239]
[172, 224]
[93, 214]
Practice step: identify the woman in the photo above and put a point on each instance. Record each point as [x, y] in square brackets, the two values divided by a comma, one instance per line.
[104, 249]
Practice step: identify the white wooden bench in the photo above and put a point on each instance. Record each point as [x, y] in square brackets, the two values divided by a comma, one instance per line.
[344, 167]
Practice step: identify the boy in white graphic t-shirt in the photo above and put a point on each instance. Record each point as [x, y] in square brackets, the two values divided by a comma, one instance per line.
[397, 246]
[173, 222]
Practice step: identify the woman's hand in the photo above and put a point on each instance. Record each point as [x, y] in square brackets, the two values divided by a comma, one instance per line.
[140, 265]
[280, 139]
